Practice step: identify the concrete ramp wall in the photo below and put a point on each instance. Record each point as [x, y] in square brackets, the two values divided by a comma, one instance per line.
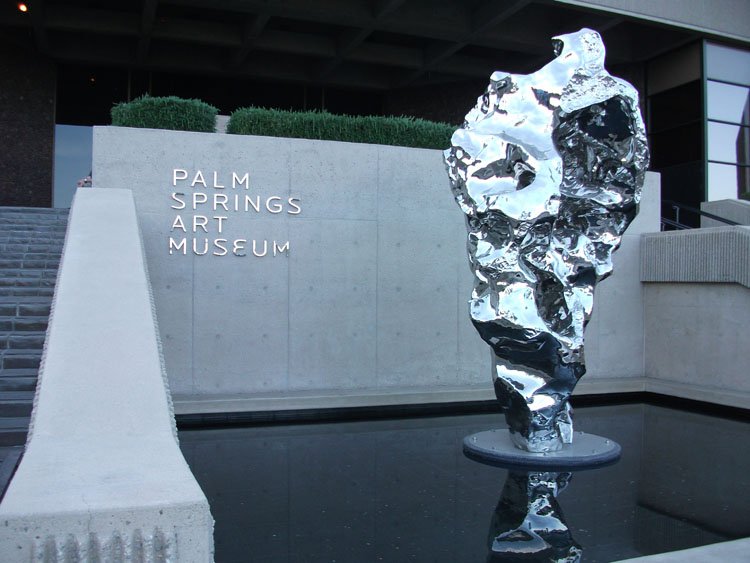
[103, 478]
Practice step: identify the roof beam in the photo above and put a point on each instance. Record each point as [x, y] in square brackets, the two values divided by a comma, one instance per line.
[254, 26]
[349, 41]
[147, 26]
[485, 16]
[70, 18]
[37, 12]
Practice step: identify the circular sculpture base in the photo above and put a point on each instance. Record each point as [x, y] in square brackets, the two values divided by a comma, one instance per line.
[494, 447]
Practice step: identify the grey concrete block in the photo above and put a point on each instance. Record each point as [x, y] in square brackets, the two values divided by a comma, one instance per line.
[720, 255]
[334, 180]
[102, 466]
[332, 304]
[241, 315]
[417, 318]
[696, 335]
[173, 296]
[614, 336]
[737, 210]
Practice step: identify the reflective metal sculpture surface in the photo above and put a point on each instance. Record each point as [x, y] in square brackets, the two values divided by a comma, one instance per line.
[548, 169]
[528, 523]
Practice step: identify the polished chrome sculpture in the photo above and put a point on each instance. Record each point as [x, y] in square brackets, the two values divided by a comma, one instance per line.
[548, 169]
[528, 523]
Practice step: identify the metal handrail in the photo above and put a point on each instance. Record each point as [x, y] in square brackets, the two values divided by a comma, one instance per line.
[680, 206]
[675, 224]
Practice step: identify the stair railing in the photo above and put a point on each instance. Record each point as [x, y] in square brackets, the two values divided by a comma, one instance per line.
[677, 224]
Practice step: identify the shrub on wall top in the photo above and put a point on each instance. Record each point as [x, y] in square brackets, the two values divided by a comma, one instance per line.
[400, 131]
[168, 112]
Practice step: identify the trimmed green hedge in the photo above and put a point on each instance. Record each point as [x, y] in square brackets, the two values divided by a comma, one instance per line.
[400, 131]
[168, 112]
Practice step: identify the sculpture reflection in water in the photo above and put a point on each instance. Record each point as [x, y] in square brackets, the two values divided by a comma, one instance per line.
[528, 523]
[548, 169]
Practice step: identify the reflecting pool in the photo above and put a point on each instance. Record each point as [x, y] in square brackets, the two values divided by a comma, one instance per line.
[402, 490]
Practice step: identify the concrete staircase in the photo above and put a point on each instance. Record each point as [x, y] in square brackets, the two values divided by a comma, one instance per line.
[31, 241]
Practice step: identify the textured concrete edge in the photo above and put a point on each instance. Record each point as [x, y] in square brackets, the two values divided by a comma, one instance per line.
[42, 362]
[725, 397]
[724, 552]
[159, 344]
[716, 255]
[353, 398]
[102, 477]
[206, 404]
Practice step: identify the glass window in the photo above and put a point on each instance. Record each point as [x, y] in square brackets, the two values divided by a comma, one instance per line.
[72, 160]
[728, 143]
[726, 181]
[728, 103]
[730, 65]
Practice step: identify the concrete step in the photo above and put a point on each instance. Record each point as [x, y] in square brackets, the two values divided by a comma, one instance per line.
[33, 212]
[27, 282]
[30, 340]
[10, 263]
[39, 233]
[21, 272]
[21, 224]
[24, 324]
[51, 264]
[38, 256]
[10, 456]
[29, 242]
[18, 384]
[13, 431]
[20, 300]
[26, 291]
[16, 403]
[20, 307]
[20, 358]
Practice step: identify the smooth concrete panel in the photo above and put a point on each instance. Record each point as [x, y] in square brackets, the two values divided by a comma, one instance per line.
[474, 355]
[417, 310]
[338, 180]
[174, 307]
[696, 334]
[240, 330]
[332, 304]
[648, 219]
[414, 188]
[614, 337]
[143, 160]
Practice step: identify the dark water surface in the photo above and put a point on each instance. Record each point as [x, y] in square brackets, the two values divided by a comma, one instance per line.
[402, 490]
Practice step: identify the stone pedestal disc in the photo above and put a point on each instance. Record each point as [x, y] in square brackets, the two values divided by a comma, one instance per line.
[494, 447]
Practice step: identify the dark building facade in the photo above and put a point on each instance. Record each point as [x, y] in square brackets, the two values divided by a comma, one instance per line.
[66, 62]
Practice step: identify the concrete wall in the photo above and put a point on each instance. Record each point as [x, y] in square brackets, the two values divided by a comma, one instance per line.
[27, 127]
[369, 304]
[697, 299]
[102, 477]
[737, 210]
